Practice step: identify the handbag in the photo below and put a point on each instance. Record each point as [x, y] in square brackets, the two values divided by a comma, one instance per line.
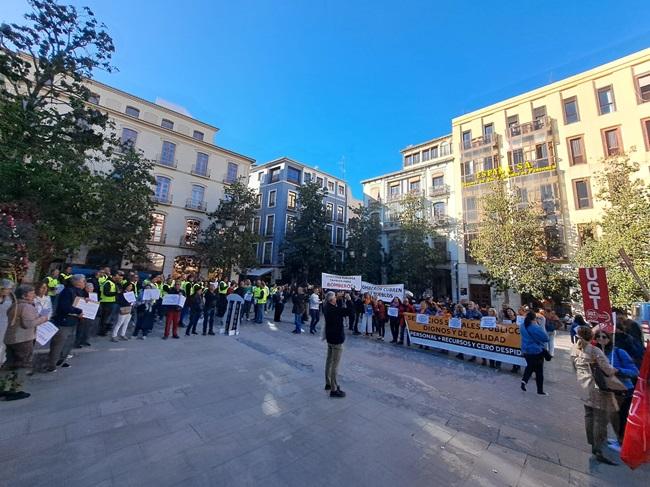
[605, 382]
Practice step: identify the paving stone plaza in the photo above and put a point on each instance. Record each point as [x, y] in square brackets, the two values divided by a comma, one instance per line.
[251, 410]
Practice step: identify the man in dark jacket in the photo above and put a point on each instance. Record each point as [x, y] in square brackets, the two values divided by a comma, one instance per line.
[67, 319]
[335, 336]
[298, 300]
[210, 308]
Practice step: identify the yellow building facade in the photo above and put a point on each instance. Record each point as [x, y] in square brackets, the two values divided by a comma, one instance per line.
[550, 143]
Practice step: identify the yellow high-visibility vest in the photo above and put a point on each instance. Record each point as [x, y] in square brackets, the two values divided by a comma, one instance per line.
[52, 283]
[108, 299]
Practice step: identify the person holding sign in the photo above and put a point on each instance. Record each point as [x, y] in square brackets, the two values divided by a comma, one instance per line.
[146, 311]
[126, 308]
[173, 312]
[66, 318]
[394, 317]
[85, 324]
[19, 339]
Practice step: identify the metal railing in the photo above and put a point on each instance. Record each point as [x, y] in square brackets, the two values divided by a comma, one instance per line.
[204, 173]
[542, 124]
[161, 239]
[439, 190]
[486, 140]
[172, 163]
[163, 200]
[192, 204]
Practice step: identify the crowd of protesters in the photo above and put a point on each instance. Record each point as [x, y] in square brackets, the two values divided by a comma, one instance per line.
[125, 311]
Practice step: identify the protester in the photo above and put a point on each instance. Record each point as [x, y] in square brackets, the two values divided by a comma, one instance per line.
[146, 313]
[298, 301]
[196, 309]
[43, 301]
[366, 317]
[533, 341]
[510, 318]
[66, 318]
[627, 372]
[407, 307]
[599, 405]
[222, 304]
[350, 303]
[314, 311]
[553, 323]
[248, 299]
[85, 324]
[578, 321]
[335, 336]
[278, 299]
[394, 317]
[108, 303]
[472, 312]
[209, 308]
[19, 341]
[126, 308]
[6, 300]
[173, 313]
[380, 319]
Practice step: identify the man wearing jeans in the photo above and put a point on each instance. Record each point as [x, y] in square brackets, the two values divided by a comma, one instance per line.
[67, 319]
[335, 337]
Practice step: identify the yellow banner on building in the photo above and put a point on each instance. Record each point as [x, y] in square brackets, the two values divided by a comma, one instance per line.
[502, 343]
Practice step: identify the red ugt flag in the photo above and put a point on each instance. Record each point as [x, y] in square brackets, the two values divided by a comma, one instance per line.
[595, 297]
[636, 442]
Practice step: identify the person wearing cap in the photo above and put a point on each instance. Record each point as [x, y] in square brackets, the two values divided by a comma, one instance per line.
[6, 300]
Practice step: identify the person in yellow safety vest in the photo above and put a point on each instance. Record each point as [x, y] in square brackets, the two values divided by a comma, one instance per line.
[105, 273]
[64, 277]
[108, 301]
[223, 287]
[52, 282]
[257, 294]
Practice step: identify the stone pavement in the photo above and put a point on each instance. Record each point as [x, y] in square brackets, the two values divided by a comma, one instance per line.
[250, 410]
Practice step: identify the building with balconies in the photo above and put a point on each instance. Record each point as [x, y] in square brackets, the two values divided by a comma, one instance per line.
[548, 144]
[427, 172]
[277, 184]
[191, 173]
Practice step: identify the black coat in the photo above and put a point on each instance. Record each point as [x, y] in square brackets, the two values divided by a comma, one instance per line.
[334, 330]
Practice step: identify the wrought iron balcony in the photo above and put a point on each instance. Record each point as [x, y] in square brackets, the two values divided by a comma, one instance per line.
[192, 204]
[163, 199]
[201, 172]
[529, 133]
[166, 162]
[439, 190]
[439, 220]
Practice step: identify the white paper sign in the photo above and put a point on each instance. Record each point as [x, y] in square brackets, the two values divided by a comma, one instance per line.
[93, 297]
[248, 296]
[151, 294]
[488, 322]
[130, 297]
[171, 300]
[520, 320]
[181, 300]
[59, 288]
[507, 322]
[422, 319]
[385, 292]
[455, 323]
[45, 332]
[89, 309]
[394, 312]
[340, 283]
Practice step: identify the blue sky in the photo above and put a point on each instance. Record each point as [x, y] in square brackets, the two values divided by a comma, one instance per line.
[348, 84]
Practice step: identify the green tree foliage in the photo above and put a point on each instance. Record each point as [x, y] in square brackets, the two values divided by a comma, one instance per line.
[624, 224]
[511, 245]
[59, 152]
[413, 260]
[225, 248]
[364, 252]
[307, 247]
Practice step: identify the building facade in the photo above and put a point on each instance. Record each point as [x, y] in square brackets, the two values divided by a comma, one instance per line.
[549, 143]
[427, 171]
[191, 173]
[277, 183]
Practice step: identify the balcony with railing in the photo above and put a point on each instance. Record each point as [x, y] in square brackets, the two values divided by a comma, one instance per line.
[189, 241]
[192, 204]
[157, 239]
[440, 220]
[200, 171]
[163, 199]
[539, 130]
[479, 146]
[438, 190]
[166, 162]
[399, 196]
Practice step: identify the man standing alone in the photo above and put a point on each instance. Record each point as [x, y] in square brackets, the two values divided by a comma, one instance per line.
[335, 337]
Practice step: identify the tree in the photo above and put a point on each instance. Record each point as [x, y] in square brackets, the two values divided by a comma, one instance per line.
[625, 224]
[364, 251]
[413, 260]
[511, 244]
[307, 247]
[59, 152]
[231, 248]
